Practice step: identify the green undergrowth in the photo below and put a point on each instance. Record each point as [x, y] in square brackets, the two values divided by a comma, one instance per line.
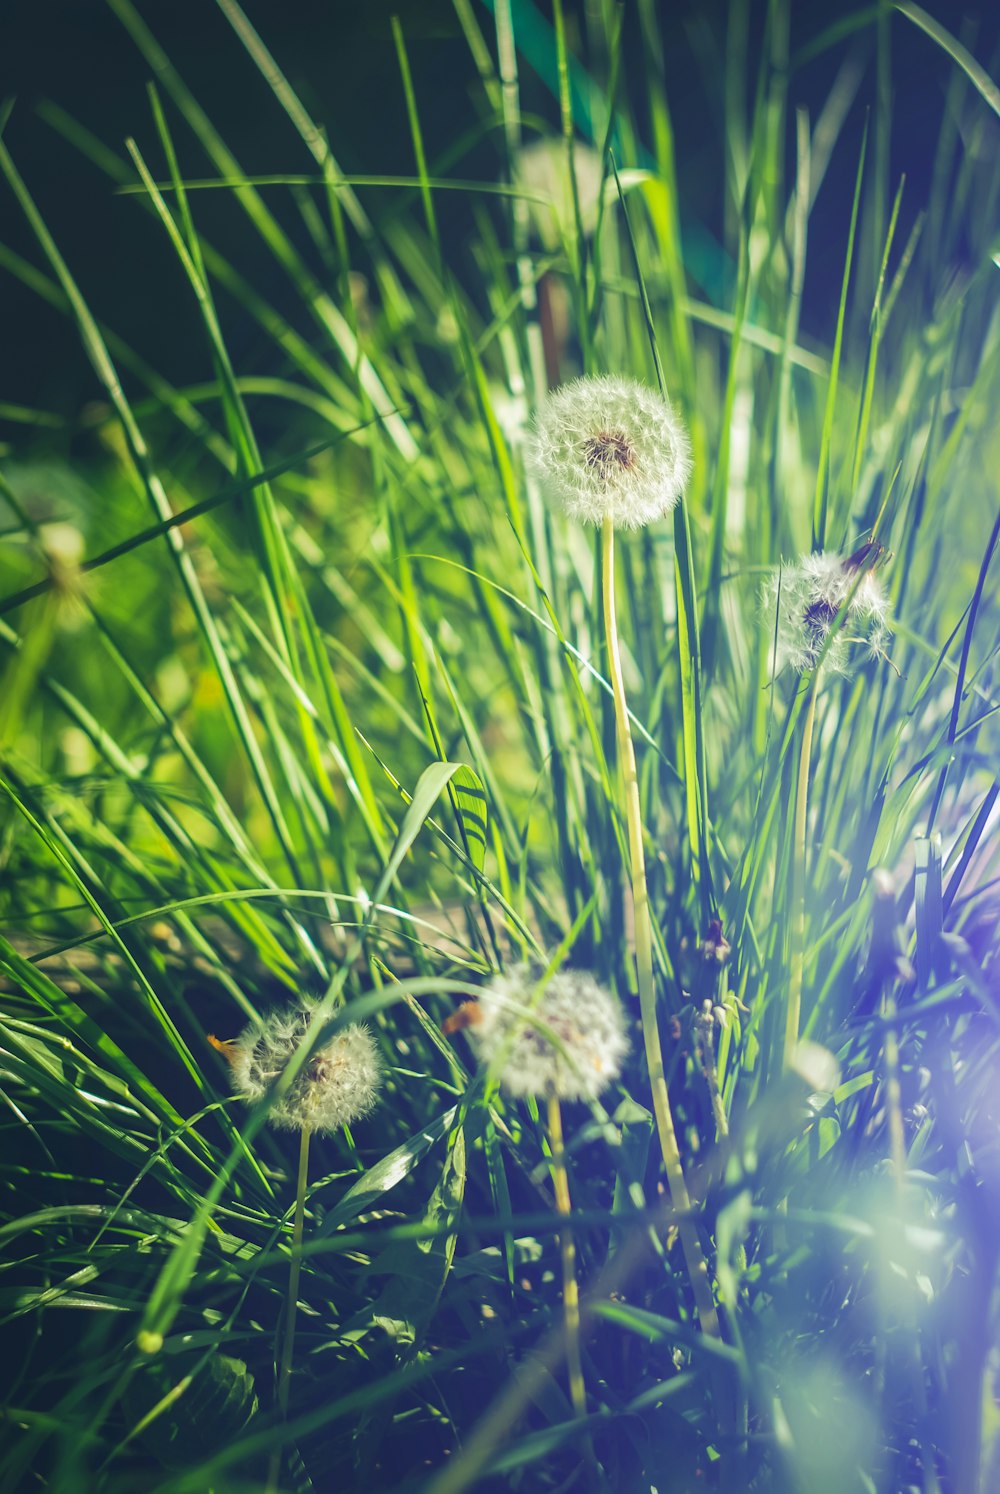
[305, 691]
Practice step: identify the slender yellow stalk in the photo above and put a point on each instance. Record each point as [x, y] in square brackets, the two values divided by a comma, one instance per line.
[571, 1292]
[679, 1196]
[793, 1014]
[292, 1301]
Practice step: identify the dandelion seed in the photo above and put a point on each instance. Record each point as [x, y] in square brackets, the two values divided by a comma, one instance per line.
[588, 1040]
[338, 1083]
[809, 595]
[610, 448]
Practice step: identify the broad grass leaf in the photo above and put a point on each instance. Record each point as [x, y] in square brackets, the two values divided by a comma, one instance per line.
[184, 1409]
[392, 1169]
[470, 799]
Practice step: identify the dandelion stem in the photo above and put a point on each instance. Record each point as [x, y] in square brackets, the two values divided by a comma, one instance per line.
[794, 1011]
[291, 1304]
[571, 1292]
[679, 1196]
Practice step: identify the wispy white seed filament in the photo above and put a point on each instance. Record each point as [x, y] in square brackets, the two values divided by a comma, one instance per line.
[610, 448]
[808, 595]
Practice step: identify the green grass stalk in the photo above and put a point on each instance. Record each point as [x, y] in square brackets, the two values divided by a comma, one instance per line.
[680, 1198]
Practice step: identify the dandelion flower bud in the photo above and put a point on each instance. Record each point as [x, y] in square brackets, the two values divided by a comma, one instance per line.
[609, 448]
[567, 1040]
[337, 1084]
[62, 545]
[809, 595]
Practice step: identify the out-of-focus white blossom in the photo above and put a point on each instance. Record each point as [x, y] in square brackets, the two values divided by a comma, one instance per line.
[337, 1084]
[610, 448]
[567, 1039]
[809, 595]
[542, 170]
[816, 1065]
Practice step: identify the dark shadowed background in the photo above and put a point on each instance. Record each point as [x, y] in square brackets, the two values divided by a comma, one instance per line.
[341, 60]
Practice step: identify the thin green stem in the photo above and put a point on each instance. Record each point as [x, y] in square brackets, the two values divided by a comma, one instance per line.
[733, 1473]
[898, 1161]
[680, 1198]
[893, 1094]
[292, 1301]
[793, 1013]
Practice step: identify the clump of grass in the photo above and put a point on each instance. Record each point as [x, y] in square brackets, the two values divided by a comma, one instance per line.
[329, 708]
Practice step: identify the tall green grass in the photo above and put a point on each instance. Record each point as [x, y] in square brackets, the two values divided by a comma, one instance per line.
[325, 707]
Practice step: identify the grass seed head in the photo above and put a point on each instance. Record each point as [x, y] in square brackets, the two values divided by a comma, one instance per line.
[515, 1021]
[338, 1083]
[610, 448]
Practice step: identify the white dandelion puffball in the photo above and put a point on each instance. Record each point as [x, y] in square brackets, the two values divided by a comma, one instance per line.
[337, 1084]
[809, 595]
[610, 448]
[514, 1020]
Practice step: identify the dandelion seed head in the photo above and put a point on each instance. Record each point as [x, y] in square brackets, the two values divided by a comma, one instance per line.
[338, 1082]
[587, 1022]
[809, 595]
[608, 447]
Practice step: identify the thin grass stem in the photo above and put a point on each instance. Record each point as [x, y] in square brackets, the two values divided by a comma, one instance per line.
[571, 1291]
[793, 1014]
[292, 1301]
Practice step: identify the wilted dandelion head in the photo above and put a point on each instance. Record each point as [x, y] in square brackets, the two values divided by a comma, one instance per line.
[610, 448]
[337, 1084]
[809, 595]
[588, 1040]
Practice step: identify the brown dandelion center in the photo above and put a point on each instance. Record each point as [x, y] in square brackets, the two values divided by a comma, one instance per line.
[323, 1067]
[610, 453]
[318, 1070]
[871, 555]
